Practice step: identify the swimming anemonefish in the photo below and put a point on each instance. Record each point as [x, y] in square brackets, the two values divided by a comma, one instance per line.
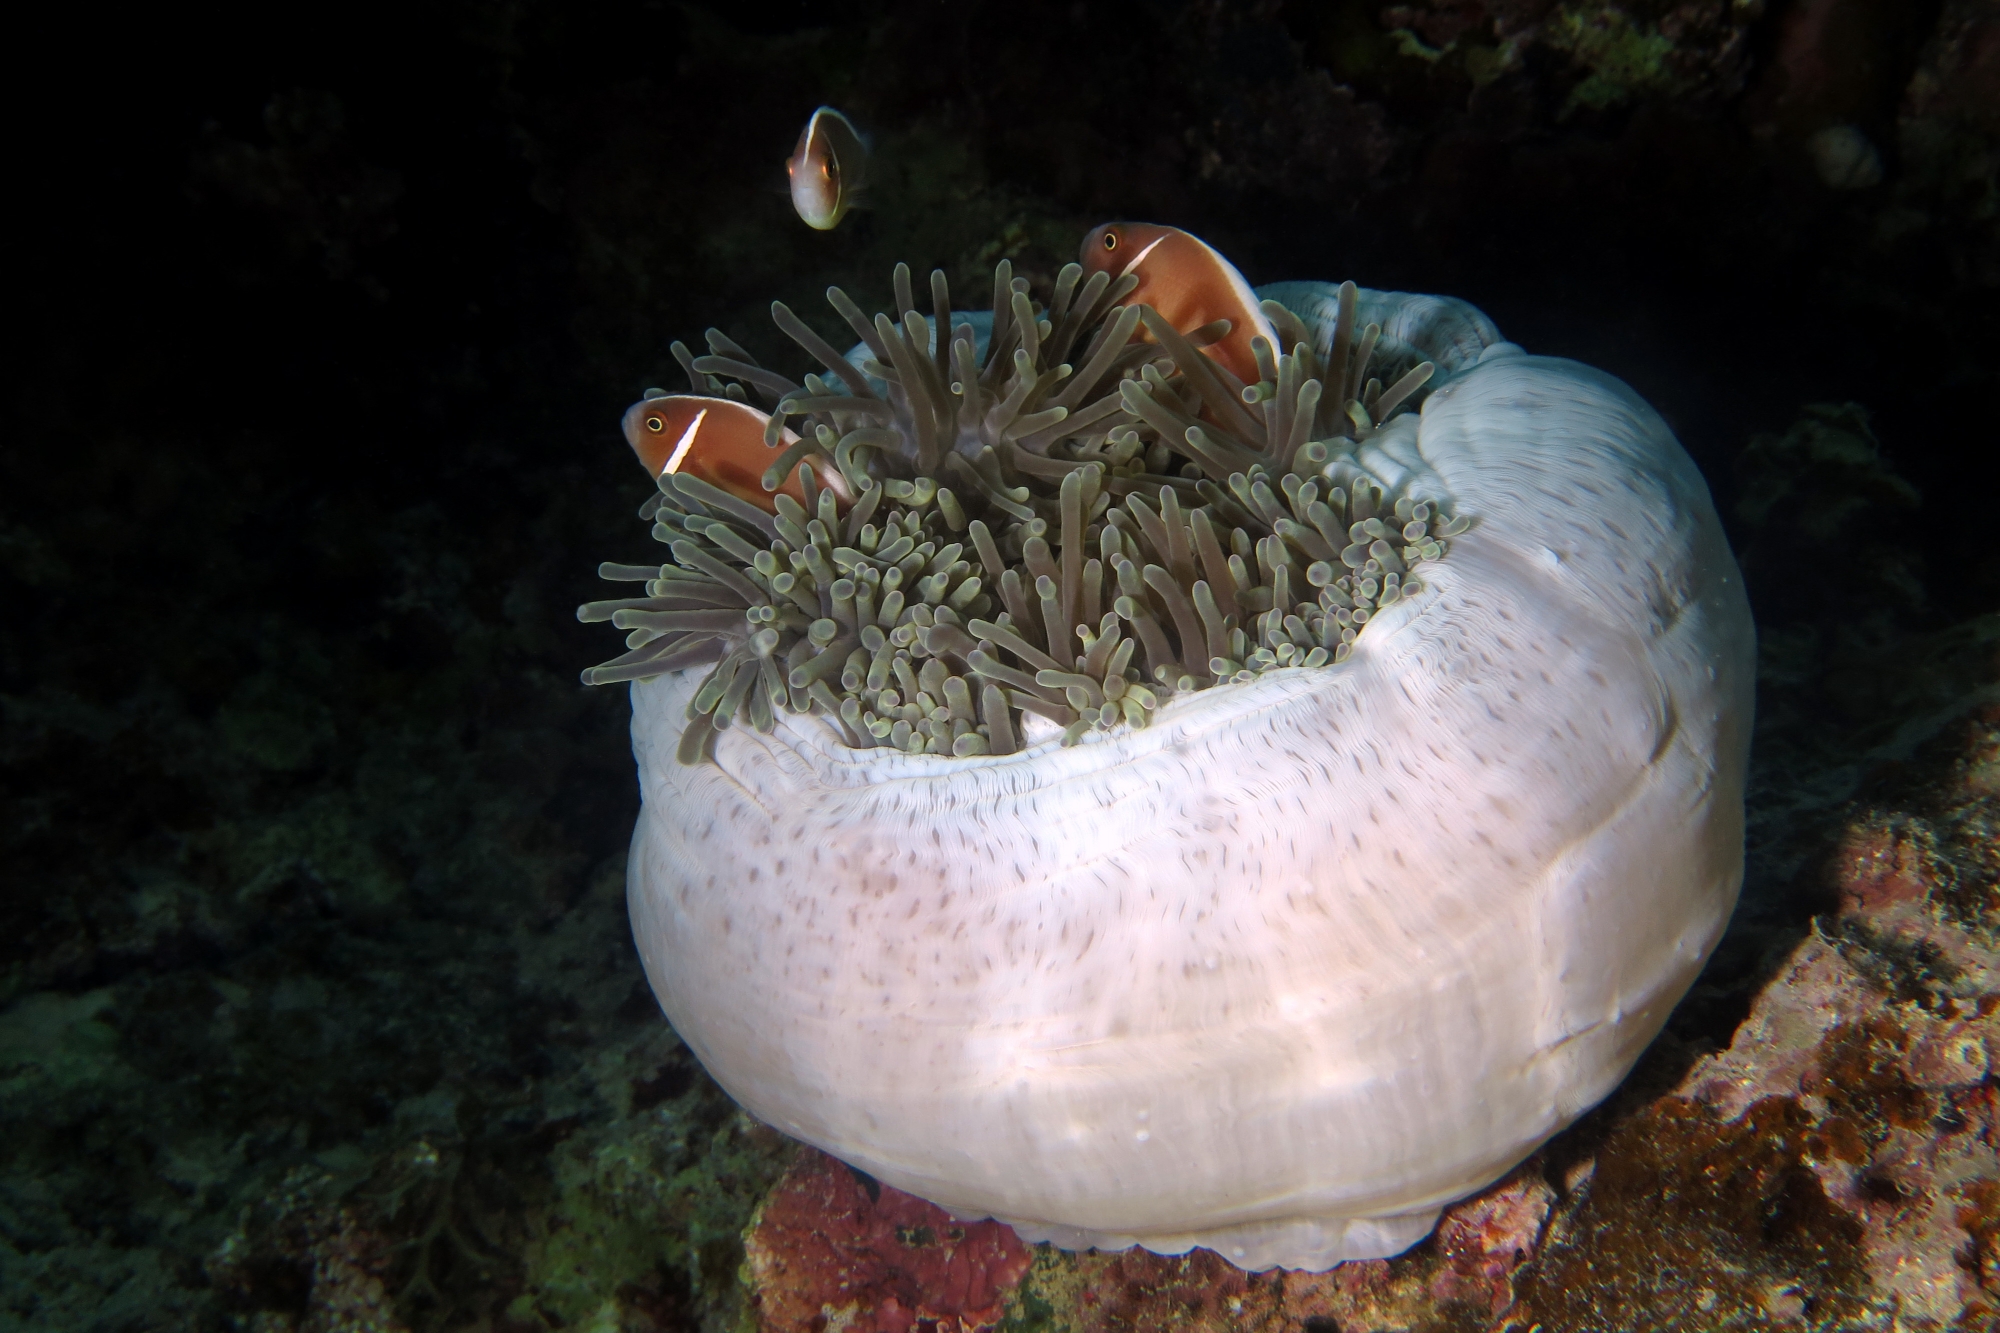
[1187, 282]
[829, 169]
[719, 440]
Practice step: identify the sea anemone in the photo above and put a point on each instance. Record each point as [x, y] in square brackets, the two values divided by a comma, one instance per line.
[1087, 787]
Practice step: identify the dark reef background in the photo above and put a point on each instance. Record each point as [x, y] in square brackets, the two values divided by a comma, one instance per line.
[317, 1004]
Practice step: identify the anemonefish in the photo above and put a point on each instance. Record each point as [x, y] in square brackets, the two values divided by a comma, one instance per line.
[829, 169]
[719, 440]
[1187, 282]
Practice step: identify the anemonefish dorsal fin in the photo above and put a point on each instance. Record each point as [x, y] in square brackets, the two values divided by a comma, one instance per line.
[827, 169]
[719, 440]
[1187, 282]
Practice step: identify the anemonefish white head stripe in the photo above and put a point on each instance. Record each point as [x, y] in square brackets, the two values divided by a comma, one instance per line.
[1140, 256]
[828, 169]
[685, 443]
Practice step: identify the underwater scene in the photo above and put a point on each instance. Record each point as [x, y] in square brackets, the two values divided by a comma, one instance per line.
[1059, 668]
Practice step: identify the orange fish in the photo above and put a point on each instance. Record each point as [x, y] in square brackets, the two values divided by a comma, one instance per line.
[828, 170]
[719, 440]
[1187, 282]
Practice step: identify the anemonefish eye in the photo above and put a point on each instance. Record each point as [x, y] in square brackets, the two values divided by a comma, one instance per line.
[655, 425]
[1111, 240]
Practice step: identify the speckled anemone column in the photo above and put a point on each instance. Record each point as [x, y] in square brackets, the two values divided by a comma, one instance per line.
[1316, 949]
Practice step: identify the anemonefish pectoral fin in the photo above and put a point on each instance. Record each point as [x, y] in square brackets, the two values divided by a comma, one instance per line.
[721, 441]
[1187, 282]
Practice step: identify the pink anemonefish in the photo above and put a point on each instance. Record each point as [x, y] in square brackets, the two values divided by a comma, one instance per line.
[721, 441]
[1187, 282]
[828, 169]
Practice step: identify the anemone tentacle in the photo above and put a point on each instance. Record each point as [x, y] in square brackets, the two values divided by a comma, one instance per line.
[1070, 524]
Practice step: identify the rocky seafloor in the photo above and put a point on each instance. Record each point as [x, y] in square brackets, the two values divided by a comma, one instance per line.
[318, 1006]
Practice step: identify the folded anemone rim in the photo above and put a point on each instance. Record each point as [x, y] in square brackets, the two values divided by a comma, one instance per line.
[1055, 534]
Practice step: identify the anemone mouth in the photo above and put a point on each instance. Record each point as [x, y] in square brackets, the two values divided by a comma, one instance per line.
[1067, 526]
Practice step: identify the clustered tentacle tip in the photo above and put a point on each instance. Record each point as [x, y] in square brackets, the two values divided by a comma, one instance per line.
[1070, 527]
